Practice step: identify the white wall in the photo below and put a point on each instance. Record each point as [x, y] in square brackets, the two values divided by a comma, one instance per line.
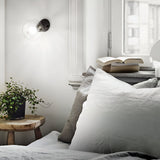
[2, 41]
[95, 30]
[117, 30]
[41, 63]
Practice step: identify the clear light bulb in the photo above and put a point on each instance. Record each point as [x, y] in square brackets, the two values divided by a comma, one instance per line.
[30, 30]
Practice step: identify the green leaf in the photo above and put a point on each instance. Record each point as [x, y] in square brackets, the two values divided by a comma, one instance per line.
[15, 95]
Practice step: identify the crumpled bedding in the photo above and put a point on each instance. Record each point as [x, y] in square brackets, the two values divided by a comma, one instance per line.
[31, 153]
[125, 156]
[50, 142]
[49, 148]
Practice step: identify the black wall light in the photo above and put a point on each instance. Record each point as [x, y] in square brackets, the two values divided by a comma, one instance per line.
[32, 29]
[43, 25]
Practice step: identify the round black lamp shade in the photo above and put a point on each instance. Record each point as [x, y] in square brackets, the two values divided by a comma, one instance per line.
[43, 25]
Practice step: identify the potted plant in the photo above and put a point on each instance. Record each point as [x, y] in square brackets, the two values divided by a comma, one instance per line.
[13, 100]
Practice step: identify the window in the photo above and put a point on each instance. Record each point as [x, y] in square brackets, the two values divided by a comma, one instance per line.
[132, 7]
[141, 26]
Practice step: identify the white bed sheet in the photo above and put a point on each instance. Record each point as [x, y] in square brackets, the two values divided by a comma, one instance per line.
[49, 141]
[16, 152]
[49, 148]
[46, 148]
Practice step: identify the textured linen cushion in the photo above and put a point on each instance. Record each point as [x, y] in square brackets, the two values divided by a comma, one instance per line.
[151, 83]
[90, 72]
[117, 117]
[82, 93]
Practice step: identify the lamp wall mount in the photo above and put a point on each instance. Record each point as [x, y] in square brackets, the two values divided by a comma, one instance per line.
[43, 25]
[33, 29]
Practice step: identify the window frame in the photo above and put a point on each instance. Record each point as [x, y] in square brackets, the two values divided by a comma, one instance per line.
[117, 32]
[118, 36]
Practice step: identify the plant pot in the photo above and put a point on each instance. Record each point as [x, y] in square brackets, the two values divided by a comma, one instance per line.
[19, 114]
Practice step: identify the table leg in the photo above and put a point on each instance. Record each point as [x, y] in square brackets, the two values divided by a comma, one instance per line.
[38, 134]
[11, 138]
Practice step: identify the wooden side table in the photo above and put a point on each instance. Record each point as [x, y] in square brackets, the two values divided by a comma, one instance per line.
[31, 122]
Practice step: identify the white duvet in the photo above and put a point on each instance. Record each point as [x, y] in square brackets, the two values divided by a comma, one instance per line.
[33, 153]
[49, 142]
[49, 148]
[46, 148]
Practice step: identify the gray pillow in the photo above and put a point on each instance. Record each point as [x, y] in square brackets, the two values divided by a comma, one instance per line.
[81, 96]
[151, 83]
[90, 72]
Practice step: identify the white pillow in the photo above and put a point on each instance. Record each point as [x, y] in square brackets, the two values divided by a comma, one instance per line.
[118, 118]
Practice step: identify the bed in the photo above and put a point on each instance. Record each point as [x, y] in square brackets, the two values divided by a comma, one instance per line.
[109, 120]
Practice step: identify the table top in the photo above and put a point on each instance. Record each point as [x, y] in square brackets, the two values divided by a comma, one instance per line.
[29, 123]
